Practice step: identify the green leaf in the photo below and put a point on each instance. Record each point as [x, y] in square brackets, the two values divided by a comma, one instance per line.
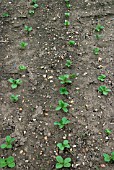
[58, 108]
[8, 138]
[18, 81]
[11, 80]
[56, 123]
[2, 163]
[58, 165]
[65, 142]
[67, 160]
[60, 146]
[35, 5]
[67, 165]
[59, 159]
[10, 160]
[105, 93]
[106, 157]
[3, 146]
[112, 156]
[11, 165]
[65, 120]
[14, 86]
[9, 146]
[65, 109]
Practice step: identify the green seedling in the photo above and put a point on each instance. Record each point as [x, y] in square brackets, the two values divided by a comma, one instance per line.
[28, 29]
[35, 6]
[67, 1]
[64, 79]
[5, 14]
[23, 45]
[62, 106]
[64, 121]
[108, 158]
[96, 51]
[63, 90]
[102, 77]
[33, 2]
[31, 12]
[14, 98]
[66, 23]
[4, 162]
[8, 144]
[67, 14]
[68, 5]
[68, 63]
[108, 132]
[99, 28]
[22, 68]
[72, 76]
[104, 90]
[66, 163]
[63, 145]
[98, 36]
[71, 42]
[15, 83]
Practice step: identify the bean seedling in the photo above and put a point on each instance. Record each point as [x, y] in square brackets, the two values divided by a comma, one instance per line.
[63, 145]
[28, 29]
[15, 82]
[108, 158]
[68, 63]
[68, 5]
[31, 12]
[5, 14]
[102, 77]
[99, 28]
[96, 51]
[22, 67]
[71, 42]
[63, 90]
[64, 121]
[7, 162]
[35, 6]
[66, 23]
[66, 163]
[64, 79]
[108, 131]
[8, 144]
[104, 90]
[67, 14]
[23, 45]
[62, 106]
[14, 98]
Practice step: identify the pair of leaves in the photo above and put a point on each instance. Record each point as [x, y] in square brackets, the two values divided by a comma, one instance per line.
[63, 145]
[71, 42]
[108, 131]
[23, 44]
[104, 90]
[63, 162]
[27, 28]
[62, 122]
[96, 51]
[62, 105]
[66, 23]
[99, 28]
[102, 77]
[68, 63]
[63, 90]
[15, 82]
[7, 162]
[108, 158]
[14, 98]
[64, 79]
[22, 67]
[8, 143]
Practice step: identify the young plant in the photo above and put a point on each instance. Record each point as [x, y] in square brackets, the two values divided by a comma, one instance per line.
[102, 77]
[66, 163]
[35, 6]
[5, 14]
[64, 79]
[23, 45]
[63, 90]
[68, 63]
[14, 98]
[62, 106]
[108, 158]
[66, 23]
[28, 29]
[104, 90]
[71, 42]
[68, 5]
[8, 144]
[33, 2]
[108, 131]
[67, 14]
[98, 36]
[96, 51]
[22, 67]
[64, 121]
[67, 1]
[31, 12]
[4, 162]
[99, 28]
[63, 145]
[15, 83]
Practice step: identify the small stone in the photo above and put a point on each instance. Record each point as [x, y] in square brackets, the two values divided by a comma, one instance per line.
[20, 109]
[45, 137]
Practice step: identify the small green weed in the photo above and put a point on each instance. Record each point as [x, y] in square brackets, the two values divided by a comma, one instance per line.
[28, 29]
[5, 14]
[96, 51]
[22, 67]
[102, 77]
[63, 162]
[4, 162]
[63, 145]
[104, 90]
[67, 1]
[8, 144]
[15, 83]
[68, 5]
[31, 12]
[63, 90]
[71, 42]
[35, 6]
[14, 98]
[64, 121]
[99, 28]
[62, 106]
[66, 23]
[67, 14]
[98, 36]
[68, 63]
[23, 45]
[33, 2]
[64, 79]
[108, 158]
[108, 131]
